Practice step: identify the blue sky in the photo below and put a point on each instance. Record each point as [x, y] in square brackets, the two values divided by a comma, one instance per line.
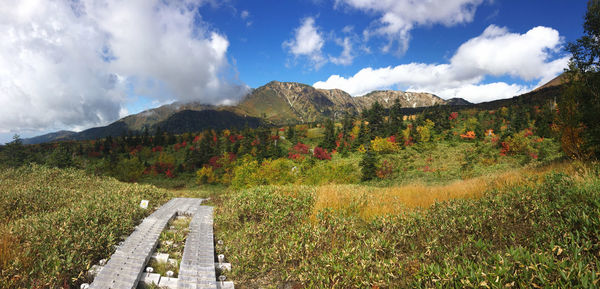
[260, 56]
[74, 64]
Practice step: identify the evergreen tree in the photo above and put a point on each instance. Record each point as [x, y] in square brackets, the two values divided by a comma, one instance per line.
[108, 141]
[159, 137]
[347, 125]
[374, 116]
[329, 139]
[14, 153]
[544, 120]
[60, 157]
[396, 122]
[364, 136]
[291, 134]
[171, 139]
[368, 166]
[145, 137]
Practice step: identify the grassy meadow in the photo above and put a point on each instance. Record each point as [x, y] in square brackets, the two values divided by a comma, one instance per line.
[422, 207]
[521, 230]
[56, 223]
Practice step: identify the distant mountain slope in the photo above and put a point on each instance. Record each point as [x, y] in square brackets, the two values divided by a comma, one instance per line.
[458, 101]
[54, 136]
[194, 121]
[149, 118]
[559, 80]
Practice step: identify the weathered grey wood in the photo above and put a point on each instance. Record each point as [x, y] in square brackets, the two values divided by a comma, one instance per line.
[197, 269]
[126, 265]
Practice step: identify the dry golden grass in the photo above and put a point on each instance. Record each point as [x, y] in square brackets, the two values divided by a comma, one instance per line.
[369, 202]
[9, 248]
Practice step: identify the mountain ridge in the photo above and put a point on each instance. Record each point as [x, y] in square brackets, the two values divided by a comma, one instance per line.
[275, 103]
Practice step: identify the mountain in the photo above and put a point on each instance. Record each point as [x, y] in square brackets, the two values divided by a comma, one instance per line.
[290, 102]
[278, 103]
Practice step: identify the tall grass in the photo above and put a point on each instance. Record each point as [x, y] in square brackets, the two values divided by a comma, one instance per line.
[369, 202]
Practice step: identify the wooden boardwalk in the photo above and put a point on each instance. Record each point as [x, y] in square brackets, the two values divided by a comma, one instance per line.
[126, 266]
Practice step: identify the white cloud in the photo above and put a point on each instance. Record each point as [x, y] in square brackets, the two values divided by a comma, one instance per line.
[308, 42]
[496, 52]
[481, 92]
[398, 17]
[66, 64]
[346, 57]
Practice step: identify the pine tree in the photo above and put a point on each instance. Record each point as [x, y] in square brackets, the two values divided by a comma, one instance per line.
[291, 134]
[329, 139]
[347, 124]
[396, 122]
[13, 153]
[375, 118]
[364, 135]
[368, 166]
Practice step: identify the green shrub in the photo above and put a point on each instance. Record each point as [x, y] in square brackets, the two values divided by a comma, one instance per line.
[129, 169]
[278, 171]
[245, 174]
[337, 171]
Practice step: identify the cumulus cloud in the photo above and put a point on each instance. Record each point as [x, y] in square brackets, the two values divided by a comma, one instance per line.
[71, 63]
[346, 56]
[496, 52]
[398, 17]
[308, 42]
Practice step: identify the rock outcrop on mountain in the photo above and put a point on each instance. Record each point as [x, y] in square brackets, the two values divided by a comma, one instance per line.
[287, 102]
[407, 99]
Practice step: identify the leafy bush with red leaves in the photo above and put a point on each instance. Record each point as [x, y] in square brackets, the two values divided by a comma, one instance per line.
[321, 153]
[298, 151]
[453, 116]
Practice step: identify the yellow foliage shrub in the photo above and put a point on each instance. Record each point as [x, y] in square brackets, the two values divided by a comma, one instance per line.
[383, 145]
[205, 175]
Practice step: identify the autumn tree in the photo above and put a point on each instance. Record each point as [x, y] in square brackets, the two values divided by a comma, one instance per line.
[578, 110]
